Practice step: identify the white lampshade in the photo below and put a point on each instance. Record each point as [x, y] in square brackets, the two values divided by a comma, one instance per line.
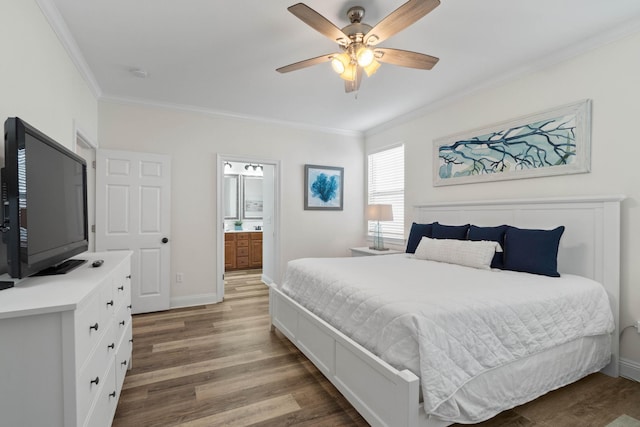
[379, 212]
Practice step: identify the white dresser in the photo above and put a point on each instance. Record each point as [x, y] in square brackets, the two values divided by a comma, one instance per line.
[65, 345]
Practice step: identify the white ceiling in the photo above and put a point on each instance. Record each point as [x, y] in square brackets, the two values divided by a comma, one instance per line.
[221, 55]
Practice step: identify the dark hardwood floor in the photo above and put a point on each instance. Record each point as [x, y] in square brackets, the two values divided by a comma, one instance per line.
[220, 365]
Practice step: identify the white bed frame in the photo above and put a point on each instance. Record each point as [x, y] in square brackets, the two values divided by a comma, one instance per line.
[384, 396]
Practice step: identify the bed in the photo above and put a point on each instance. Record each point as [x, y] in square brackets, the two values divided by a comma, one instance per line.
[384, 388]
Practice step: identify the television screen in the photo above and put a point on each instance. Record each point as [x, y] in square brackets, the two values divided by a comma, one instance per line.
[45, 190]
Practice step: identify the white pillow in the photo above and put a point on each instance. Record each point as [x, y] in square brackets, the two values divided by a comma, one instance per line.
[476, 254]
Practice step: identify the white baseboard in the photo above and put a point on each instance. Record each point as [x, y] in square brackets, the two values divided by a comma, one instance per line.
[267, 280]
[630, 369]
[191, 300]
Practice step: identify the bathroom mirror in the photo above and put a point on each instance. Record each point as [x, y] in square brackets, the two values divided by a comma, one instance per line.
[252, 197]
[231, 196]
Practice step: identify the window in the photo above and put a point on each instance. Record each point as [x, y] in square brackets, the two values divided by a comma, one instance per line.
[386, 185]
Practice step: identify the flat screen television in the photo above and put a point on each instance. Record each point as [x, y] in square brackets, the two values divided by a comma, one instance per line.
[44, 195]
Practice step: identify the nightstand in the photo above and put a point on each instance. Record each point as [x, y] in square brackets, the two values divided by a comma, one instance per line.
[365, 251]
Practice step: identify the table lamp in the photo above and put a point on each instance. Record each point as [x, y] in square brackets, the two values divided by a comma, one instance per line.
[379, 212]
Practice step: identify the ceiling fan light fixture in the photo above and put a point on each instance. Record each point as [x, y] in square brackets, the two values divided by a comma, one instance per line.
[371, 68]
[358, 41]
[364, 55]
[339, 63]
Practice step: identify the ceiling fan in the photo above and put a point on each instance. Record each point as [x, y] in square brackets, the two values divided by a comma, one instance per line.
[358, 40]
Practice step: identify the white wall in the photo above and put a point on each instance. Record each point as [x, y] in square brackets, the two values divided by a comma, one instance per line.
[38, 81]
[193, 140]
[610, 76]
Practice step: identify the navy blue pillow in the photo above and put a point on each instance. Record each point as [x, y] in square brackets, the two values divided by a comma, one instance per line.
[493, 234]
[457, 232]
[532, 251]
[418, 231]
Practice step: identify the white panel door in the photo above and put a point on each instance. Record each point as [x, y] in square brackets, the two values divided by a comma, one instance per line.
[132, 212]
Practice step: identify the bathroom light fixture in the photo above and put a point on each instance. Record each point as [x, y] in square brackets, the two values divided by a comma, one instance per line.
[251, 165]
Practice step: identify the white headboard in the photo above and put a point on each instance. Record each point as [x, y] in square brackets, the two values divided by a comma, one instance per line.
[590, 245]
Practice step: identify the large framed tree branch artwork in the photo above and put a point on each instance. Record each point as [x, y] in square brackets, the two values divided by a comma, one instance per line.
[323, 188]
[552, 142]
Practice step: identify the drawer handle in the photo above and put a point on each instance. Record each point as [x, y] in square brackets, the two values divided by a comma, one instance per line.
[128, 277]
[110, 303]
[96, 381]
[94, 327]
[124, 363]
[112, 394]
[112, 346]
[122, 323]
[121, 288]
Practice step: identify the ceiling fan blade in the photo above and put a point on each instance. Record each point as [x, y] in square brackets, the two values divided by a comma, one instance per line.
[306, 63]
[399, 19]
[318, 23]
[405, 58]
[353, 86]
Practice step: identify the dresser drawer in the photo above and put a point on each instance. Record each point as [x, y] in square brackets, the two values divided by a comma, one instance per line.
[123, 356]
[93, 375]
[242, 261]
[105, 403]
[122, 290]
[122, 318]
[89, 327]
[107, 298]
[110, 340]
[243, 251]
[122, 285]
[241, 243]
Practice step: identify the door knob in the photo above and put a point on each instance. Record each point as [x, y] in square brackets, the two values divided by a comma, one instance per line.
[165, 240]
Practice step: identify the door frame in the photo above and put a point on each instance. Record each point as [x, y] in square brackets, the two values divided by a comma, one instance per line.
[221, 158]
[82, 139]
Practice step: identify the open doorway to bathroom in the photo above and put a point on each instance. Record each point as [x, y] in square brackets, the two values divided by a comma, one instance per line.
[248, 239]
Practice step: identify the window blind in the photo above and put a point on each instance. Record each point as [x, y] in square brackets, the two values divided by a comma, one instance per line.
[386, 185]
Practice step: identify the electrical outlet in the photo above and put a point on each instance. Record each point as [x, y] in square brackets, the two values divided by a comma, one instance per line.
[179, 277]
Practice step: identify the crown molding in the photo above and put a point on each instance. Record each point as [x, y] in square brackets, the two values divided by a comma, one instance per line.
[618, 33]
[59, 26]
[229, 114]
[57, 23]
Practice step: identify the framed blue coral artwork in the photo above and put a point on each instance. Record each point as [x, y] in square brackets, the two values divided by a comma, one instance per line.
[551, 142]
[323, 187]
